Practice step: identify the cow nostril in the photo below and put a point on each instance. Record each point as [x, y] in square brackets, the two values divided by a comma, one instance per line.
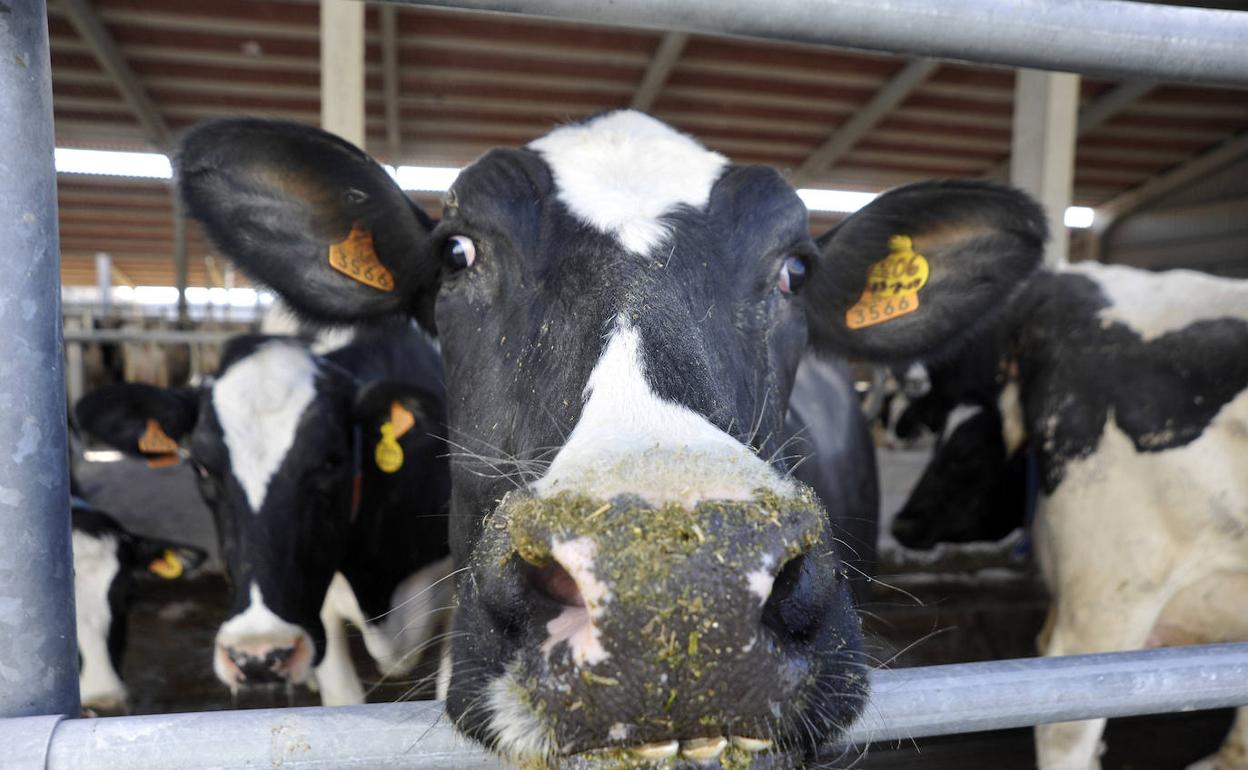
[553, 581]
[791, 609]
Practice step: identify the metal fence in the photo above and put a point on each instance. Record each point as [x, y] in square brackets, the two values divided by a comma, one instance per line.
[37, 656]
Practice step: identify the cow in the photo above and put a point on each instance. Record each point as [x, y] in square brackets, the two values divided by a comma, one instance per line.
[109, 564]
[328, 482]
[1124, 391]
[621, 314]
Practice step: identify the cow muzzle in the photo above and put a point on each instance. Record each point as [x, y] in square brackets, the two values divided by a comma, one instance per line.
[666, 630]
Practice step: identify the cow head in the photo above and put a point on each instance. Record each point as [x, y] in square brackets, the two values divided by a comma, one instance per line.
[109, 561]
[621, 313]
[283, 443]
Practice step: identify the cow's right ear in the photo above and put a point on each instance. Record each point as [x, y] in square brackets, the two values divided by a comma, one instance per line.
[310, 215]
[140, 420]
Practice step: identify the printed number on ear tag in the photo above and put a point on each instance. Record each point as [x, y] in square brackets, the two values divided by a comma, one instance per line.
[355, 257]
[892, 286]
[168, 566]
[155, 441]
[388, 455]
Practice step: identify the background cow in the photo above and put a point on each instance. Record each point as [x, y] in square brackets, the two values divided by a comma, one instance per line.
[109, 562]
[621, 315]
[1126, 389]
[329, 488]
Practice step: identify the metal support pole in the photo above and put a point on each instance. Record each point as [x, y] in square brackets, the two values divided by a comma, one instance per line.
[1042, 159]
[905, 703]
[342, 69]
[104, 279]
[38, 646]
[1113, 38]
[179, 251]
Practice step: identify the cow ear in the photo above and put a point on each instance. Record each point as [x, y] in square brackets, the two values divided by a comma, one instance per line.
[389, 411]
[140, 420]
[917, 270]
[311, 216]
[165, 559]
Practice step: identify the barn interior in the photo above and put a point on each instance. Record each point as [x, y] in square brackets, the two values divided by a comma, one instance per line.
[1139, 172]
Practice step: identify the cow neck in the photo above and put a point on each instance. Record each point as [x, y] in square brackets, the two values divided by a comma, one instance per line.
[357, 472]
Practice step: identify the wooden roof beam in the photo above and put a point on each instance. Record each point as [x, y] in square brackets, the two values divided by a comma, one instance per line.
[659, 70]
[86, 20]
[863, 120]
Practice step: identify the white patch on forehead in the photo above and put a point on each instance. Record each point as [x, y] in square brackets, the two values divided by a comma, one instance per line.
[575, 625]
[960, 414]
[761, 580]
[623, 171]
[95, 567]
[630, 441]
[259, 401]
[1152, 304]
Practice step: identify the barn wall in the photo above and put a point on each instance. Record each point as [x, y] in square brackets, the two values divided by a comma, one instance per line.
[1202, 226]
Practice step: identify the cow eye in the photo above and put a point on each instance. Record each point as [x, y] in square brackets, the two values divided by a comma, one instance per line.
[459, 252]
[792, 275]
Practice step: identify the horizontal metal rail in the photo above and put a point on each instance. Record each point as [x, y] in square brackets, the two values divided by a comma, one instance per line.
[161, 336]
[905, 703]
[1094, 37]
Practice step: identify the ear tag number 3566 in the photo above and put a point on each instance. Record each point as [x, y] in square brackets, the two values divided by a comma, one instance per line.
[892, 286]
[356, 258]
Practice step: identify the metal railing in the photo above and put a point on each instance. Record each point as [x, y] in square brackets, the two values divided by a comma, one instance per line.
[37, 660]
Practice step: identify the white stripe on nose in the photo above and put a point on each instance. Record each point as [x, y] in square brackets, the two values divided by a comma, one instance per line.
[631, 441]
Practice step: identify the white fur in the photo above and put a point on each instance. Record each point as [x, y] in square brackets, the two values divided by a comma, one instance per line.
[960, 414]
[628, 440]
[622, 172]
[256, 625]
[258, 402]
[1124, 534]
[761, 580]
[336, 678]
[1152, 304]
[521, 733]
[575, 625]
[1013, 426]
[95, 567]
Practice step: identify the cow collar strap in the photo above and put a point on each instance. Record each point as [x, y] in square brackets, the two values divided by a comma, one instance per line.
[357, 471]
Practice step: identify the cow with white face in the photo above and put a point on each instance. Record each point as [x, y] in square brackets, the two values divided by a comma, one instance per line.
[329, 489]
[109, 563]
[1127, 393]
[621, 315]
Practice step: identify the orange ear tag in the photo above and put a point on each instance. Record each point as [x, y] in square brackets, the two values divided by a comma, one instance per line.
[163, 461]
[155, 441]
[893, 286]
[168, 566]
[401, 419]
[355, 257]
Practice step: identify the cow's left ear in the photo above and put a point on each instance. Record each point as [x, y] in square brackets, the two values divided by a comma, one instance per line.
[165, 559]
[389, 411]
[915, 271]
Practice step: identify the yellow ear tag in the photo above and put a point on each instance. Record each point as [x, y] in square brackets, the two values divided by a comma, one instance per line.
[389, 455]
[892, 286]
[355, 257]
[401, 418]
[168, 566]
[155, 441]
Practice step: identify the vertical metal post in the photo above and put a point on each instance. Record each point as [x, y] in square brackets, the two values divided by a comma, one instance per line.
[104, 279]
[179, 251]
[1046, 110]
[342, 69]
[38, 647]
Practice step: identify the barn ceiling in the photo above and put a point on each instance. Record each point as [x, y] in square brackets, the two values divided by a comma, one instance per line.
[470, 81]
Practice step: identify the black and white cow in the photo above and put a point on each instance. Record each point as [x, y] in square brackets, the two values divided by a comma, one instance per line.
[1126, 390]
[621, 315]
[109, 562]
[329, 487]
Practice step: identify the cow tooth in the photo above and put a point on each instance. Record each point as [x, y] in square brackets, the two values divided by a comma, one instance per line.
[751, 745]
[703, 749]
[656, 751]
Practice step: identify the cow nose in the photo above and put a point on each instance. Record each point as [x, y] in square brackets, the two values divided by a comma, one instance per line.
[264, 663]
[692, 609]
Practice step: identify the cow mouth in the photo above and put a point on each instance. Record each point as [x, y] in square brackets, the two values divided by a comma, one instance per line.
[707, 753]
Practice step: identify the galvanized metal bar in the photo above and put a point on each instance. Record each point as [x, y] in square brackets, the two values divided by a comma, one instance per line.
[659, 70]
[38, 650]
[1112, 38]
[160, 336]
[905, 703]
